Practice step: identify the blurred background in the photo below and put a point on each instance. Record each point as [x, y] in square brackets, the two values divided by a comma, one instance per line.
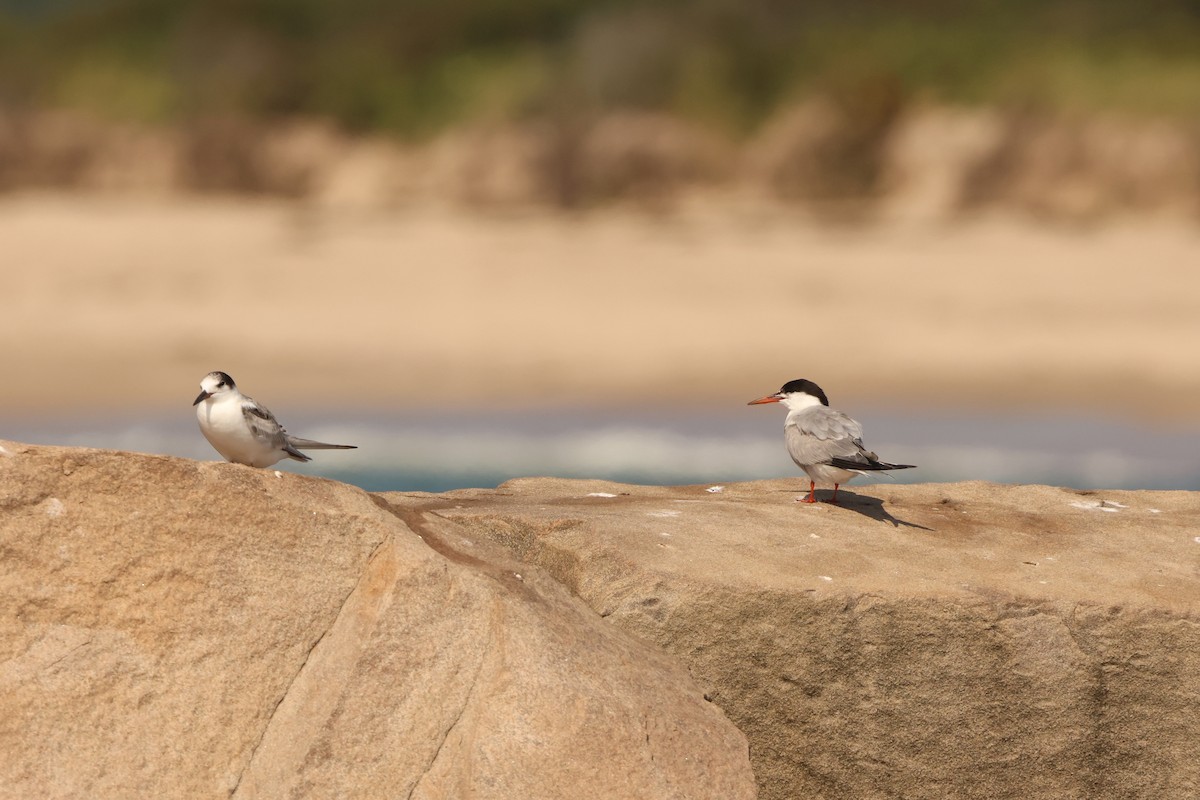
[491, 238]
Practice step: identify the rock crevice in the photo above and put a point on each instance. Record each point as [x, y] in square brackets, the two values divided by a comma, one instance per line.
[285, 740]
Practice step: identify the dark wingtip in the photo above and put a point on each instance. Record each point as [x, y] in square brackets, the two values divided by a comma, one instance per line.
[870, 466]
[296, 454]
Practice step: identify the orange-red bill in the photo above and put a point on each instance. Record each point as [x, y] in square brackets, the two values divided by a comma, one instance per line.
[768, 399]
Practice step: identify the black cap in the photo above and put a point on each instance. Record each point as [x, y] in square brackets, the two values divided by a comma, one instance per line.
[806, 386]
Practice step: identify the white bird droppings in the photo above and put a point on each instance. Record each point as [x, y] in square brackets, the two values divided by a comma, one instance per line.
[1154, 511]
[663, 513]
[278, 474]
[715, 489]
[1196, 540]
[601, 494]
[55, 507]
[813, 536]
[1097, 505]
[825, 577]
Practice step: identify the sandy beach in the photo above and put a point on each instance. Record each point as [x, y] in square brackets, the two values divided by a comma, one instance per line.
[117, 302]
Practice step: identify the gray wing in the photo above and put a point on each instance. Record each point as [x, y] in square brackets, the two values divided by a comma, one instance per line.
[824, 436]
[266, 429]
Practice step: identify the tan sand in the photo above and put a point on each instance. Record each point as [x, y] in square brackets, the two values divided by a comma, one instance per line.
[103, 298]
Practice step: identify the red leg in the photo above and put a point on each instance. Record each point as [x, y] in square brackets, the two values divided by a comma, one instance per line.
[833, 499]
[812, 488]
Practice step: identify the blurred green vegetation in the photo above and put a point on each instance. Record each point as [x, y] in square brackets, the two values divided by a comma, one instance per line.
[414, 67]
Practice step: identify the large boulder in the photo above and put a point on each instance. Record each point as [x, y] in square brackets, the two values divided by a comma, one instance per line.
[170, 628]
[968, 640]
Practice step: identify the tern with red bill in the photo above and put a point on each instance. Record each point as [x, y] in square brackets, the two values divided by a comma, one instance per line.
[824, 443]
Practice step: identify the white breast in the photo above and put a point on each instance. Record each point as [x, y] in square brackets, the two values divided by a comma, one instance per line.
[224, 425]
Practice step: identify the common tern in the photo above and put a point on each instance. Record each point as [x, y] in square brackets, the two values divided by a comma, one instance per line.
[824, 443]
[244, 431]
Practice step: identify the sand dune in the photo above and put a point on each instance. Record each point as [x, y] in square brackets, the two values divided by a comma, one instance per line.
[111, 302]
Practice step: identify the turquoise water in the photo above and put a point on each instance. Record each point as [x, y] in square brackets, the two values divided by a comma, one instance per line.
[441, 451]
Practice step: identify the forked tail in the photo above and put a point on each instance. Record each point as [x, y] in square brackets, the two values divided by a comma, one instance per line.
[309, 444]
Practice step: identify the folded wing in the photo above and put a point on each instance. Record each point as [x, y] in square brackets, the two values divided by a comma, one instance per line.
[825, 436]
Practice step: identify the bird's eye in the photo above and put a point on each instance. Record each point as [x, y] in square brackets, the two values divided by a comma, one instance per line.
[219, 385]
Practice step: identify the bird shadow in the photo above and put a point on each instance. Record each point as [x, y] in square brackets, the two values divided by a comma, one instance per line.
[871, 507]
